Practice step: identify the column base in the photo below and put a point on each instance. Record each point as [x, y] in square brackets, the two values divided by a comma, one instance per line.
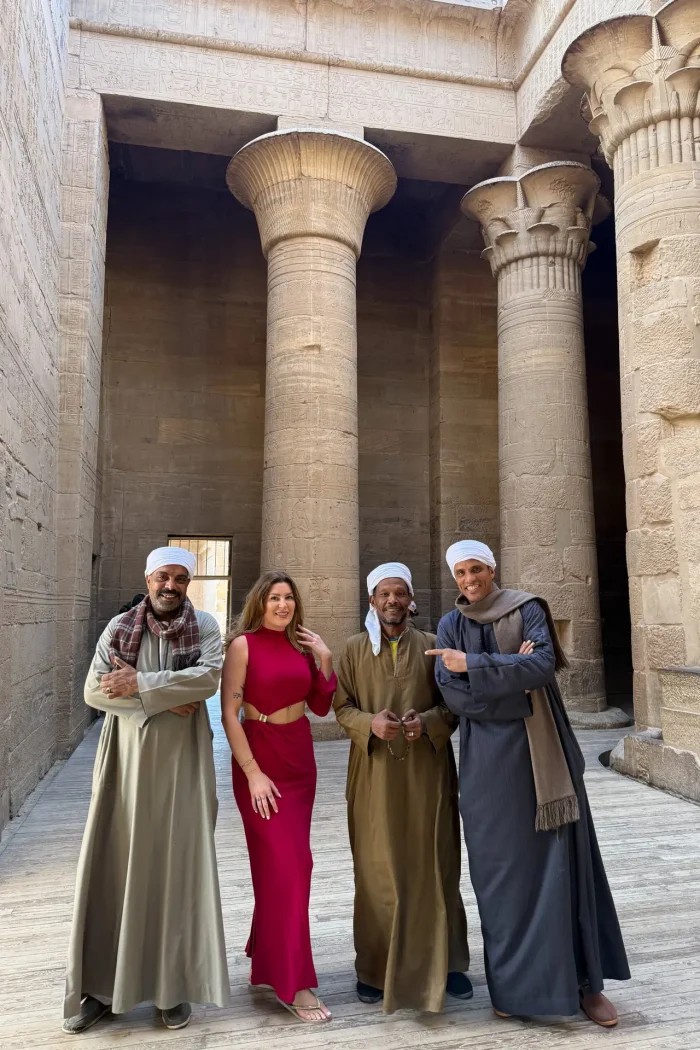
[645, 757]
[325, 728]
[609, 718]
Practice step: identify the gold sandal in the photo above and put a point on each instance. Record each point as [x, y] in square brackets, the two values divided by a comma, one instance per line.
[294, 1010]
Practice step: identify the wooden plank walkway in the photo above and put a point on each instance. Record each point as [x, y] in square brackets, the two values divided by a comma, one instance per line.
[651, 844]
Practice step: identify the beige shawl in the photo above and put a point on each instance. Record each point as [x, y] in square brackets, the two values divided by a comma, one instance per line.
[557, 803]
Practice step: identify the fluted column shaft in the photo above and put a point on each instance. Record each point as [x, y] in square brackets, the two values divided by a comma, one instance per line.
[642, 76]
[536, 229]
[312, 192]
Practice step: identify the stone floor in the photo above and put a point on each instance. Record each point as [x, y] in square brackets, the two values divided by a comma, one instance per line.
[651, 844]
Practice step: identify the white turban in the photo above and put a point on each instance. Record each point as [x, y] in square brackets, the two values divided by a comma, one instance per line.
[171, 556]
[466, 549]
[388, 571]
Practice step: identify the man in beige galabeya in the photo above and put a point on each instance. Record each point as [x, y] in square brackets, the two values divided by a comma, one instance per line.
[147, 923]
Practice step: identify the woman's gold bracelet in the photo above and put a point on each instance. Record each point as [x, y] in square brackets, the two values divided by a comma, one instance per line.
[250, 760]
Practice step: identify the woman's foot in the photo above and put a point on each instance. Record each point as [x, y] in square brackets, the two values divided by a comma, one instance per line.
[599, 1009]
[308, 1007]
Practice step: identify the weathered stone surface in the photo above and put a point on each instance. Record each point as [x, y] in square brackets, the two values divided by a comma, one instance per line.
[536, 229]
[32, 43]
[642, 83]
[463, 413]
[645, 757]
[396, 453]
[312, 192]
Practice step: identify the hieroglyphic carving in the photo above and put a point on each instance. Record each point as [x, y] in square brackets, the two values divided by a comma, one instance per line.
[279, 23]
[154, 69]
[411, 34]
[110, 64]
[386, 101]
[545, 74]
[32, 39]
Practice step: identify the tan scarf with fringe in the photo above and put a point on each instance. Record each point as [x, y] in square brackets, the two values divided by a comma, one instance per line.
[557, 803]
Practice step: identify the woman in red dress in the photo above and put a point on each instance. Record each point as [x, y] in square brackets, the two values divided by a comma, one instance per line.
[270, 670]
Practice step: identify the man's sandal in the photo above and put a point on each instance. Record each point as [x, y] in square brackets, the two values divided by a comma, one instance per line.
[296, 1011]
[499, 1013]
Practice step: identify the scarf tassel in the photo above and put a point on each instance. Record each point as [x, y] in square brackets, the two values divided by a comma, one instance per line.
[552, 815]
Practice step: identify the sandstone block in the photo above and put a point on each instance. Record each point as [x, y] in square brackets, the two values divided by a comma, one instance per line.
[660, 597]
[681, 729]
[665, 645]
[652, 552]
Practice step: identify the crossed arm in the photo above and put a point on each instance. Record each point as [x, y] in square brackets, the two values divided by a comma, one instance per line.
[494, 686]
[140, 695]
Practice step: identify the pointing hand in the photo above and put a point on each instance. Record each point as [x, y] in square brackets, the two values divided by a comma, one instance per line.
[453, 659]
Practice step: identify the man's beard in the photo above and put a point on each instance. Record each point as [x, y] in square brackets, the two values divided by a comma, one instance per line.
[161, 606]
[398, 616]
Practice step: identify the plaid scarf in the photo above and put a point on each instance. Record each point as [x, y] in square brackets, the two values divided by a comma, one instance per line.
[182, 632]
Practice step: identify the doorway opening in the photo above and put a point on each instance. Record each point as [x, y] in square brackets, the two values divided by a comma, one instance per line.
[210, 589]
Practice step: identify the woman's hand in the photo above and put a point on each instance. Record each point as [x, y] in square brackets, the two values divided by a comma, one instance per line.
[453, 659]
[314, 642]
[262, 794]
[526, 649]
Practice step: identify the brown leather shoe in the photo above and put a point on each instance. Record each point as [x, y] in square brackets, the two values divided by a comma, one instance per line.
[598, 1009]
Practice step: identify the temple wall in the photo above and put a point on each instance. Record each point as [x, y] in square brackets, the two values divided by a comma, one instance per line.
[184, 374]
[464, 497]
[32, 52]
[393, 352]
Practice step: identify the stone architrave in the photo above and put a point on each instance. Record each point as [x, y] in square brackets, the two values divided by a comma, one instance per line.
[536, 230]
[641, 76]
[312, 192]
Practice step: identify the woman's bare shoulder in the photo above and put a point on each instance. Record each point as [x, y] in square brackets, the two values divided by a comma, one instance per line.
[238, 647]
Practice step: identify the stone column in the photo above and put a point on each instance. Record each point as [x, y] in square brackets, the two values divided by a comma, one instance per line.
[536, 229]
[642, 78]
[312, 192]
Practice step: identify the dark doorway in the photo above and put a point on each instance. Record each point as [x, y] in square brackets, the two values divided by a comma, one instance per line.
[604, 410]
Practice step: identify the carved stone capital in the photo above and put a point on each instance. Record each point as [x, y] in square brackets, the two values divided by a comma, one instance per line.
[641, 76]
[310, 182]
[545, 215]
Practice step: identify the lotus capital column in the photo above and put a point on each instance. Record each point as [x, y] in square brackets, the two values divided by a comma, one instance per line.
[641, 78]
[536, 230]
[312, 192]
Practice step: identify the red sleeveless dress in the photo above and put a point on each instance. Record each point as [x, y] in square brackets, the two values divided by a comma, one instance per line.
[279, 851]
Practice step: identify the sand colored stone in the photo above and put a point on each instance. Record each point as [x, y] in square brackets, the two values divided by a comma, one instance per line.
[536, 229]
[642, 82]
[155, 416]
[312, 192]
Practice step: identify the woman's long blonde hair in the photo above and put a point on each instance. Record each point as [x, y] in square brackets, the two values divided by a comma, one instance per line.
[252, 614]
